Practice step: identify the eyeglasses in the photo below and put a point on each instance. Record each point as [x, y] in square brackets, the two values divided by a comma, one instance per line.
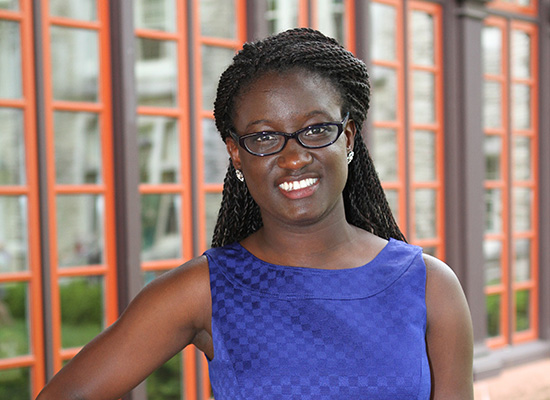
[311, 137]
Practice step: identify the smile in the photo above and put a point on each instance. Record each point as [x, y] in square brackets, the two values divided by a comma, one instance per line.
[296, 185]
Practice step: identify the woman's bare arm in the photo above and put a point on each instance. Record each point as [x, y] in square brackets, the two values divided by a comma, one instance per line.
[164, 318]
[449, 334]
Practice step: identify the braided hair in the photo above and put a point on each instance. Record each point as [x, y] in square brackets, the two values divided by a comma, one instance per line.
[365, 203]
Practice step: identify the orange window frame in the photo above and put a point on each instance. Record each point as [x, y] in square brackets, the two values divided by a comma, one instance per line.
[437, 128]
[103, 108]
[515, 7]
[33, 277]
[349, 21]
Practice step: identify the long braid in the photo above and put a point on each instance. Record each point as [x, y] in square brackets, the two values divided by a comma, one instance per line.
[303, 48]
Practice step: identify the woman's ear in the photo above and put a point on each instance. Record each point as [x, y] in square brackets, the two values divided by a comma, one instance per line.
[350, 132]
[233, 150]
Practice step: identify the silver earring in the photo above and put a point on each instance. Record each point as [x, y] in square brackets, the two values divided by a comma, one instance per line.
[350, 156]
[239, 175]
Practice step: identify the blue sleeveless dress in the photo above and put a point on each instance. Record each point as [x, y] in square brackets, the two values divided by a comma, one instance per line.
[284, 332]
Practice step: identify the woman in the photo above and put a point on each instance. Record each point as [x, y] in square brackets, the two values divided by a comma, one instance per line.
[309, 291]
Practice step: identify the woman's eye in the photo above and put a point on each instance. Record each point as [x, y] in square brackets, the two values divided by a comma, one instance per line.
[266, 138]
[316, 130]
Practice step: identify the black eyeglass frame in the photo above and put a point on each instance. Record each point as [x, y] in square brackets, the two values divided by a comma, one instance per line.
[241, 139]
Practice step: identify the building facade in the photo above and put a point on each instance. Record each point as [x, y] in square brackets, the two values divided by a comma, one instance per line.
[111, 168]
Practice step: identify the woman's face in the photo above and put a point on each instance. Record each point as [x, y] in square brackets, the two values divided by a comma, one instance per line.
[296, 185]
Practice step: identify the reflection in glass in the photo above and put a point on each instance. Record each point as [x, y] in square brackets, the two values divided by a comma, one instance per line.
[281, 15]
[11, 84]
[384, 153]
[425, 213]
[521, 106]
[77, 148]
[522, 256]
[384, 93]
[424, 156]
[492, 146]
[522, 158]
[423, 97]
[80, 233]
[14, 320]
[521, 54]
[161, 227]
[492, 104]
[75, 64]
[166, 382]
[212, 201]
[215, 153]
[159, 15]
[82, 309]
[383, 25]
[11, 5]
[331, 18]
[493, 211]
[156, 72]
[76, 9]
[523, 203]
[492, 250]
[217, 19]
[393, 200]
[12, 147]
[422, 38]
[15, 383]
[214, 62]
[523, 307]
[159, 155]
[492, 50]
[14, 248]
[493, 315]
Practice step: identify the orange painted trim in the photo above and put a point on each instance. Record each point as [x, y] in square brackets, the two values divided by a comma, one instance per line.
[83, 270]
[80, 189]
[75, 23]
[155, 34]
[22, 276]
[17, 362]
[213, 187]
[303, 14]
[163, 188]
[515, 8]
[159, 111]
[220, 42]
[189, 372]
[13, 103]
[14, 190]
[60, 105]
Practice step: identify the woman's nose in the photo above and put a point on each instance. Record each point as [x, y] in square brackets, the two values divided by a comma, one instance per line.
[294, 156]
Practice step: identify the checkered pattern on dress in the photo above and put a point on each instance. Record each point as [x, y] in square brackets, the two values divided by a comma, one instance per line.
[284, 332]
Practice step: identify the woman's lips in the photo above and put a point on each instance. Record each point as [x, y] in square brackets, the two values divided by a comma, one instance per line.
[300, 188]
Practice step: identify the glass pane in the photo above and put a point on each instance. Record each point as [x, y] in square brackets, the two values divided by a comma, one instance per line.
[492, 104]
[492, 250]
[75, 64]
[384, 152]
[430, 250]
[522, 266]
[15, 383]
[14, 317]
[215, 153]
[217, 18]
[12, 5]
[493, 156]
[281, 15]
[492, 50]
[422, 39]
[75, 9]
[493, 315]
[384, 94]
[166, 382]
[80, 236]
[158, 15]
[77, 148]
[82, 309]
[161, 227]
[423, 97]
[521, 54]
[523, 307]
[393, 200]
[424, 156]
[383, 24]
[522, 158]
[159, 155]
[11, 84]
[14, 248]
[214, 61]
[12, 147]
[212, 202]
[521, 100]
[331, 18]
[523, 203]
[156, 72]
[425, 213]
[493, 211]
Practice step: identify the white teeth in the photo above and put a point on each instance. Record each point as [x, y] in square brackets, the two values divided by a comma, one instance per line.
[295, 185]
